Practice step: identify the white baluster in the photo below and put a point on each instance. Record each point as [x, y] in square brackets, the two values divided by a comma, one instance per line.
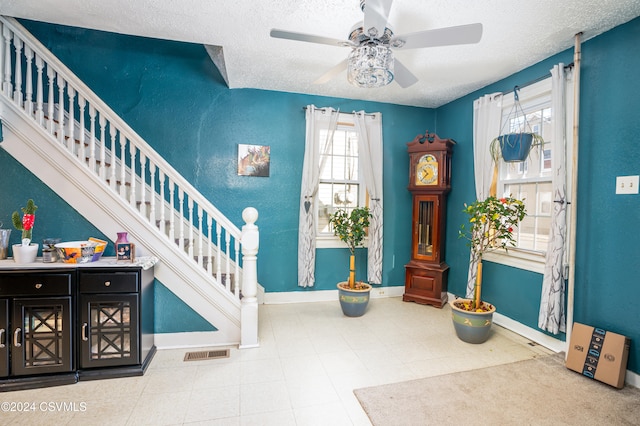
[92, 140]
[162, 225]
[28, 90]
[249, 302]
[191, 241]
[82, 155]
[236, 275]
[51, 74]
[199, 235]
[152, 193]
[112, 157]
[132, 174]
[218, 254]
[60, 128]
[227, 268]
[5, 58]
[123, 167]
[209, 243]
[181, 232]
[172, 210]
[143, 184]
[71, 139]
[102, 140]
[39, 92]
[17, 76]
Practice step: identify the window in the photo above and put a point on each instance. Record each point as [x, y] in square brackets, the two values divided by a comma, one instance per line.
[340, 180]
[530, 180]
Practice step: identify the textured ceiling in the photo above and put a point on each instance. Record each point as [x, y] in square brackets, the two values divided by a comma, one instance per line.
[517, 33]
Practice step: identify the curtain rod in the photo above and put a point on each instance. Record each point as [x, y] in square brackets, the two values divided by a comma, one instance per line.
[534, 81]
[341, 112]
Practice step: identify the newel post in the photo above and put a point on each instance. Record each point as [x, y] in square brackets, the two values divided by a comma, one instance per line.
[249, 302]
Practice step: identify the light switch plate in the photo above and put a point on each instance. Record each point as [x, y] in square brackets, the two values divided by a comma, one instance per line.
[627, 184]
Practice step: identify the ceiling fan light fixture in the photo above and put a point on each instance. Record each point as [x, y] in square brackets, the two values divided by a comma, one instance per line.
[370, 66]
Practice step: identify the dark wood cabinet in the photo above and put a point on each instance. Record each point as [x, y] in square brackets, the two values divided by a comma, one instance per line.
[36, 317]
[71, 323]
[426, 273]
[110, 337]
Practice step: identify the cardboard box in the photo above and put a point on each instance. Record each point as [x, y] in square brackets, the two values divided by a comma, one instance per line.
[598, 354]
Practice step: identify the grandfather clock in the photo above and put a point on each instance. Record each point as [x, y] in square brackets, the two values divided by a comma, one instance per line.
[429, 182]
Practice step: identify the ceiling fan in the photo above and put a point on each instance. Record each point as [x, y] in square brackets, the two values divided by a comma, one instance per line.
[371, 62]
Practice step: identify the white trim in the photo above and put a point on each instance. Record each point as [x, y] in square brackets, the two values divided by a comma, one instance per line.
[325, 295]
[193, 339]
[536, 336]
[521, 259]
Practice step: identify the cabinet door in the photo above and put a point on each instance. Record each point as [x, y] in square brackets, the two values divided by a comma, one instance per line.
[109, 330]
[41, 336]
[4, 341]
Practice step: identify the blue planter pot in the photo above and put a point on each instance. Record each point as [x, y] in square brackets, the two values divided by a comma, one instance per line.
[515, 146]
[353, 302]
[472, 327]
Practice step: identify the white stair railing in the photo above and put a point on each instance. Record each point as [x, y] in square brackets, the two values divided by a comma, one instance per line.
[54, 98]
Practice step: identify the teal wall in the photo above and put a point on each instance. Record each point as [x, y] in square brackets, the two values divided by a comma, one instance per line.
[171, 94]
[607, 250]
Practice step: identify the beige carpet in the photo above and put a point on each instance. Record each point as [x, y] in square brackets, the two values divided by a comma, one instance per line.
[538, 391]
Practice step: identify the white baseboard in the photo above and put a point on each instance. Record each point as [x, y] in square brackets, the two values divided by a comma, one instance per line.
[192, 339]
[325, 295]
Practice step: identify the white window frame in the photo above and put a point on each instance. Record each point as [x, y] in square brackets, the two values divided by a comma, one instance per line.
[534, 95]
[325, 240]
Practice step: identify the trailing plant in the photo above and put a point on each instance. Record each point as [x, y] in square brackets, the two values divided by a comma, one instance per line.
[26, 223]
[351, 227]
[490, 227]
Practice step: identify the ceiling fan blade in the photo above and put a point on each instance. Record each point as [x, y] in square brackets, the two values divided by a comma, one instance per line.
[290, 35]
[462, 34]
[332, 73]
[402, 75]
[376, 15]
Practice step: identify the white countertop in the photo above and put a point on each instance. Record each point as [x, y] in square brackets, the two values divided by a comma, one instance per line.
[144, 261]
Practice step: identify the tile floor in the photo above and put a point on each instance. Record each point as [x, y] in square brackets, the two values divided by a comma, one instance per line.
[310, 359]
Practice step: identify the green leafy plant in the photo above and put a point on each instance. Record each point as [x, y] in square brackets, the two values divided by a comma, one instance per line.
[490, 227]
[351, 227]
[26, 223]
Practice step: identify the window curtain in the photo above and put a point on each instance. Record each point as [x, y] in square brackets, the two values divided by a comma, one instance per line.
[310, 177]
[370, 153]
[551, 317]
[487, 115]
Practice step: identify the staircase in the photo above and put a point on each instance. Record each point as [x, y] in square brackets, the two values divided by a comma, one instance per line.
[64, 134]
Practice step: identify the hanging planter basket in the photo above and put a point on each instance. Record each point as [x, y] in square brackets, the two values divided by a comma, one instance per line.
[515, 146]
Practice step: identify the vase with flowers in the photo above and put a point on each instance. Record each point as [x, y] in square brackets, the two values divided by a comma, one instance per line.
[491, 226]
[351, 228]
[26, 251]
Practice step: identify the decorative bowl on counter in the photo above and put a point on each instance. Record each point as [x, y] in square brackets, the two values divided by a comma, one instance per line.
[81, 251]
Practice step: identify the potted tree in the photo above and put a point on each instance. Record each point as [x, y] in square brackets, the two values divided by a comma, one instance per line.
[351, 228]
[491, 224]
[25, 252]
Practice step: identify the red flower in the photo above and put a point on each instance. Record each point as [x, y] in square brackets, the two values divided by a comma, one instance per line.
[27, 221]
[503, 200]
[510, 229]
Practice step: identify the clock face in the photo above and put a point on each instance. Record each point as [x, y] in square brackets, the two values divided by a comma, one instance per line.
[427, 171]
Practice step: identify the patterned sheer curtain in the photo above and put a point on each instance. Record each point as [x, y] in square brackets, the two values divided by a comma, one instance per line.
[552, 306]
[370, 153]
[310, 178]
[487, 114]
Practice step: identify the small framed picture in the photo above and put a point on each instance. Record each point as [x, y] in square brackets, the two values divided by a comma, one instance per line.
[125, 252]
[254, 160]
